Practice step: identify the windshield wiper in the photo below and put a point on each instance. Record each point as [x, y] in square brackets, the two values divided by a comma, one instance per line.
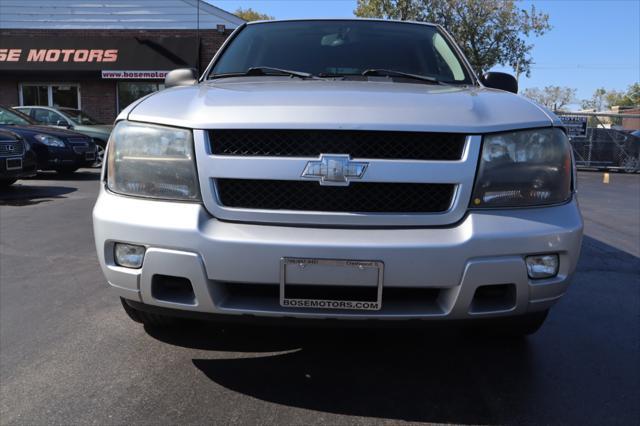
[261, 71]
[391, 73]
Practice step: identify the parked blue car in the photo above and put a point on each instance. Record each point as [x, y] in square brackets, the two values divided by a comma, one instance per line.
[56, 149]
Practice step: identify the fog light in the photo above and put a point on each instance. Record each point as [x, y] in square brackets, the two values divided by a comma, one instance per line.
[129, 255]
[542, 266]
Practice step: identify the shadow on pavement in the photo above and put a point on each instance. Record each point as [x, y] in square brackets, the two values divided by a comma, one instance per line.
[20, 194]
[81, 175]
[581, 367]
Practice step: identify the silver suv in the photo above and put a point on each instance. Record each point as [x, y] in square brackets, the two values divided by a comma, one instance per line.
[342, 169]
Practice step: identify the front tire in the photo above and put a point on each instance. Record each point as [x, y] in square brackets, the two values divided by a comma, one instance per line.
[100, 150]
[147, 318]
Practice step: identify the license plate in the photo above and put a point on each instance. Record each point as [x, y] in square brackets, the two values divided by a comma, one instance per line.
[14, 163]
[331, 284]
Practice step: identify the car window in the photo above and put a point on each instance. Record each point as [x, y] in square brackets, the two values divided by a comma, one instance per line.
[45, 116]
[343, 48]
[13, 118]
[24, 110]
[80, 117]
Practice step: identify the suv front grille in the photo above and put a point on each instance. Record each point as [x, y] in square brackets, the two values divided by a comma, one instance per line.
[357, 143]
[369, 197]
[11, 148]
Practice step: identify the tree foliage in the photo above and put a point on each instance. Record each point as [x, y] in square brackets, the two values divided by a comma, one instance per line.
[553, 97]
[490, 32]
[626, 99]
[603, 98]
[252, 15]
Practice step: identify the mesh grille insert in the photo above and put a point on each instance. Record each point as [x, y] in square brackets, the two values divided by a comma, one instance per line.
[358, 197]
[359, 144]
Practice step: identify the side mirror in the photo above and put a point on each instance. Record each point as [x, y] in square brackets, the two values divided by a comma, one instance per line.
[181, 77]
[500, 80]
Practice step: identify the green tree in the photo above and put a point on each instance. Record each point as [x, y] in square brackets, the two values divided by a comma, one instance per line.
[553, 97]
[629, 98]
[251, 15]
[597, 102]
[490, 32]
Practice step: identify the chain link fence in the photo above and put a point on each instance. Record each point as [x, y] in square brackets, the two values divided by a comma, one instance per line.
[604, 141]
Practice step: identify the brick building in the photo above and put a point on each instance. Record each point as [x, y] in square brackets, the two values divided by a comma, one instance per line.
[100, 55]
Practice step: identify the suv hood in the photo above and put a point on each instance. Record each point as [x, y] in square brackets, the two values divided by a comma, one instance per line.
[320, 104]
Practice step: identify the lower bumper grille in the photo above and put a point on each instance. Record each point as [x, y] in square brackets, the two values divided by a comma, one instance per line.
[11, 148]
[358, 197]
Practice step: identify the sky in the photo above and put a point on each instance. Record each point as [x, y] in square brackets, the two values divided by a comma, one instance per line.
[593, 43]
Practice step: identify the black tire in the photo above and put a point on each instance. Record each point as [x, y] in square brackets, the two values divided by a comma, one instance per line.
[6, 182]
[100, 151]
[147, 318]
[630, 164]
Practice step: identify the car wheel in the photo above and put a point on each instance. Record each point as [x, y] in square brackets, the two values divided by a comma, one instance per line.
[7, 182]
[630, 164]
[147, 318]
[100, 149]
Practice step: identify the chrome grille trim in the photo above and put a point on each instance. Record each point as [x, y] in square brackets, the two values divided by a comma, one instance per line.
[460, 173]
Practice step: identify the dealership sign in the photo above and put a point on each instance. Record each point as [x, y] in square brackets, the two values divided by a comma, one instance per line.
[146, 75]
[23, 53]
[576, 125]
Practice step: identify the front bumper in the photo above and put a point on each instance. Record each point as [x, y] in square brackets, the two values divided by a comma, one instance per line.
[59, 158]
[28, 166]
[219, 258]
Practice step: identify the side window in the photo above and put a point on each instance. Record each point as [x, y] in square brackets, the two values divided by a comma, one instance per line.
[45, 116]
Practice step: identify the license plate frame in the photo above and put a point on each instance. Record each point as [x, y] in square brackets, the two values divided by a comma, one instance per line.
[349, 305]
[13, 159]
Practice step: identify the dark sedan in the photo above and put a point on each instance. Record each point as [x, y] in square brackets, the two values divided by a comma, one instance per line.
[17, 159]
[56, 149]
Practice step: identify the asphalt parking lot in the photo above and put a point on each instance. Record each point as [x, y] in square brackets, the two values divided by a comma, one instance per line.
[69, 355]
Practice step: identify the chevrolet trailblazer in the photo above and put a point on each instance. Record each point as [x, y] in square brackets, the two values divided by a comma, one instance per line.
[343, 169]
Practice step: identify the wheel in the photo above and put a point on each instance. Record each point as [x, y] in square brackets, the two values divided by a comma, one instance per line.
[100, 148]
[630, 164]
[6, 182]
[146, 318]
[67, 170]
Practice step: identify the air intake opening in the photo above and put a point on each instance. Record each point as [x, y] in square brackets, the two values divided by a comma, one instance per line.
[492, 298]
[172, 289]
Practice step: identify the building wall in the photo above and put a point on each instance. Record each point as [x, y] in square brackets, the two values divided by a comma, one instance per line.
[210, 40]
[98, 96]
[99, 99]
[8, 92]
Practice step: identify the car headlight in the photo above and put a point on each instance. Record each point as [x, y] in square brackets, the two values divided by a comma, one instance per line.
[50, 140]
[146, 160]
[523, 168]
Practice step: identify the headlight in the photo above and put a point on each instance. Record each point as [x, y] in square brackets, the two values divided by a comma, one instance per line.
[50, 140]
[523, 168]
[145, 160]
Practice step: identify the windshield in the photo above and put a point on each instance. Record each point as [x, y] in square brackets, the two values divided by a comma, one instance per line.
[336, 48]
[15, 118]
[79, 117]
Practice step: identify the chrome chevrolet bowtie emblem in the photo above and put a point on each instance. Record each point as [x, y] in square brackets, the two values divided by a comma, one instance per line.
[336, 170]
